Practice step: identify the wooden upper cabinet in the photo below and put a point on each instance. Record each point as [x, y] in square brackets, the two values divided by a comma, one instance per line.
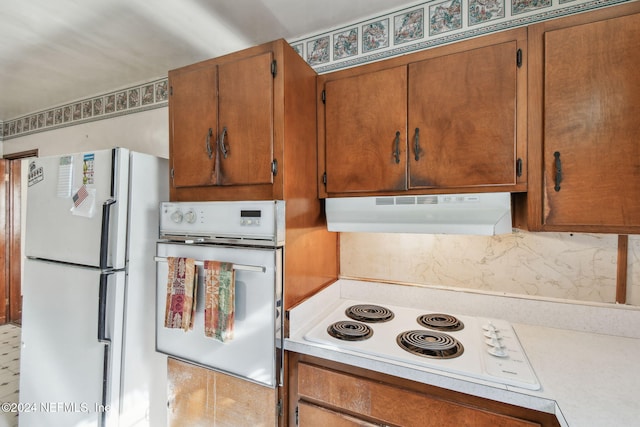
[245, 126]
[585, 119]
[193, 111]
[448, 119]
[365, 131]
[240, 122]
[462, 118]
[222, 123]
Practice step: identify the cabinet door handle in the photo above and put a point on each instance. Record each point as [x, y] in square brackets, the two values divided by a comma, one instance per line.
[223, 148]
[416, 145]
[558, 165]
[208, 143]
[396, 151]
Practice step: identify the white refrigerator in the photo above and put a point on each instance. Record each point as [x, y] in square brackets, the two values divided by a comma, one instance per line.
[88, 350]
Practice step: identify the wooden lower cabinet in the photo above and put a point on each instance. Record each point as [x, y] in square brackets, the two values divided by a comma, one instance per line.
[203, 397]
[314, 415]
[325, 393]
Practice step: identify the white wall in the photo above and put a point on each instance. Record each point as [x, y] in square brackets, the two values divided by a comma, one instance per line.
[146, 132]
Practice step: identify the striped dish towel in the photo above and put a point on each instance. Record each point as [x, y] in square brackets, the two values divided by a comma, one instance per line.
[181, 291]
[219, 308]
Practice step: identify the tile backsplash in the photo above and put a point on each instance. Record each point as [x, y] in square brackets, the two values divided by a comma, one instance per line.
[568, 266]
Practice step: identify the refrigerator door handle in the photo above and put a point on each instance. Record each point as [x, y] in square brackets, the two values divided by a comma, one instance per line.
[104, 236]
[103, 337]
[103, 300]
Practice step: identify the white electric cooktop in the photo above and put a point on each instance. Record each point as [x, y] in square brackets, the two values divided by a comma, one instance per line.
[485, 349]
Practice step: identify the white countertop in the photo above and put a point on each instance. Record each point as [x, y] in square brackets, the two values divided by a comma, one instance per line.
[588, 368]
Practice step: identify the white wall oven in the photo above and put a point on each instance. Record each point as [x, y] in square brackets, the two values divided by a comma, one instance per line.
[249, 238]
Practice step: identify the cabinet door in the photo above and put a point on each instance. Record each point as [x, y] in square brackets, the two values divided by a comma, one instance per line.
[245, 127]
[591, 124]
[388, 404]
[365, 132]
[192, 121]
[462, 119]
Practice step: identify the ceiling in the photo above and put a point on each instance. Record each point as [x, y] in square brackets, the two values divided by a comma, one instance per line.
[56, 51]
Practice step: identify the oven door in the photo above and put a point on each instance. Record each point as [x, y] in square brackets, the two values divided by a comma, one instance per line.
[251, 354]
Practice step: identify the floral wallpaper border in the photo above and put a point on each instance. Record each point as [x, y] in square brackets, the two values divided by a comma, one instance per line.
[416, 27]
[146, 96]
[428, 24]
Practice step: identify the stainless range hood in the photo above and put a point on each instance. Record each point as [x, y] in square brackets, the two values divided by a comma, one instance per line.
[481, 214]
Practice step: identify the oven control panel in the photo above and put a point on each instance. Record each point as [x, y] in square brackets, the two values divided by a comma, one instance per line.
[254, 222]
[250, 218]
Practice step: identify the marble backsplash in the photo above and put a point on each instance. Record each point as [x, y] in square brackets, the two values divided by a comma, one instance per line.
[568, 266]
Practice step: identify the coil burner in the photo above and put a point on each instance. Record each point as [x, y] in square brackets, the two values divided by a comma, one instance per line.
[369, 313]
[435, 345]
[349, 331]
[440, 322]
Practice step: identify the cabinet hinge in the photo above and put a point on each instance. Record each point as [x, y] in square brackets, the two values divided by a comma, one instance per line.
[274, 68]
[274, 167]
[324, 179]
[519, 167]
[297, 418]
[519, 58]
[279, 408]
[324, 96]
[170, 90]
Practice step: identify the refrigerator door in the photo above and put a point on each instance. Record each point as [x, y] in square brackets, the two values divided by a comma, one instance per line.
[70, 356]
[75, 200]
[144, 371]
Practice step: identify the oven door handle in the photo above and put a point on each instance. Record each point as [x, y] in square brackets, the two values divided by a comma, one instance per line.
[240, 267]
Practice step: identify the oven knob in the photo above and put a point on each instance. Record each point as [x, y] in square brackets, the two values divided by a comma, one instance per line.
[176, 217]
[190, 216]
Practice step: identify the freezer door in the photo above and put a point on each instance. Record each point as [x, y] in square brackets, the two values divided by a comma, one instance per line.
[71, 347]
[61, 229]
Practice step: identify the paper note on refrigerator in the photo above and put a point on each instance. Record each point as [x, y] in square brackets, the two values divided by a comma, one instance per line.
[65, 176]
[87, 169]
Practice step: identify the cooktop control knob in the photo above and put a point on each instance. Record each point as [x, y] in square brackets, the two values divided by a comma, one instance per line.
[497, 351]
[176, 217]
[489, 327]
[494, 342]
[190, 216]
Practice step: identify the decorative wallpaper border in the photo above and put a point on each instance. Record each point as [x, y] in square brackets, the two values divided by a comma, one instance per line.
[146, 96]
[416, 27]
[428, 24]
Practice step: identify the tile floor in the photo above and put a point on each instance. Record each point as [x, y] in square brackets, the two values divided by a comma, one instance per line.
[9, 373]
